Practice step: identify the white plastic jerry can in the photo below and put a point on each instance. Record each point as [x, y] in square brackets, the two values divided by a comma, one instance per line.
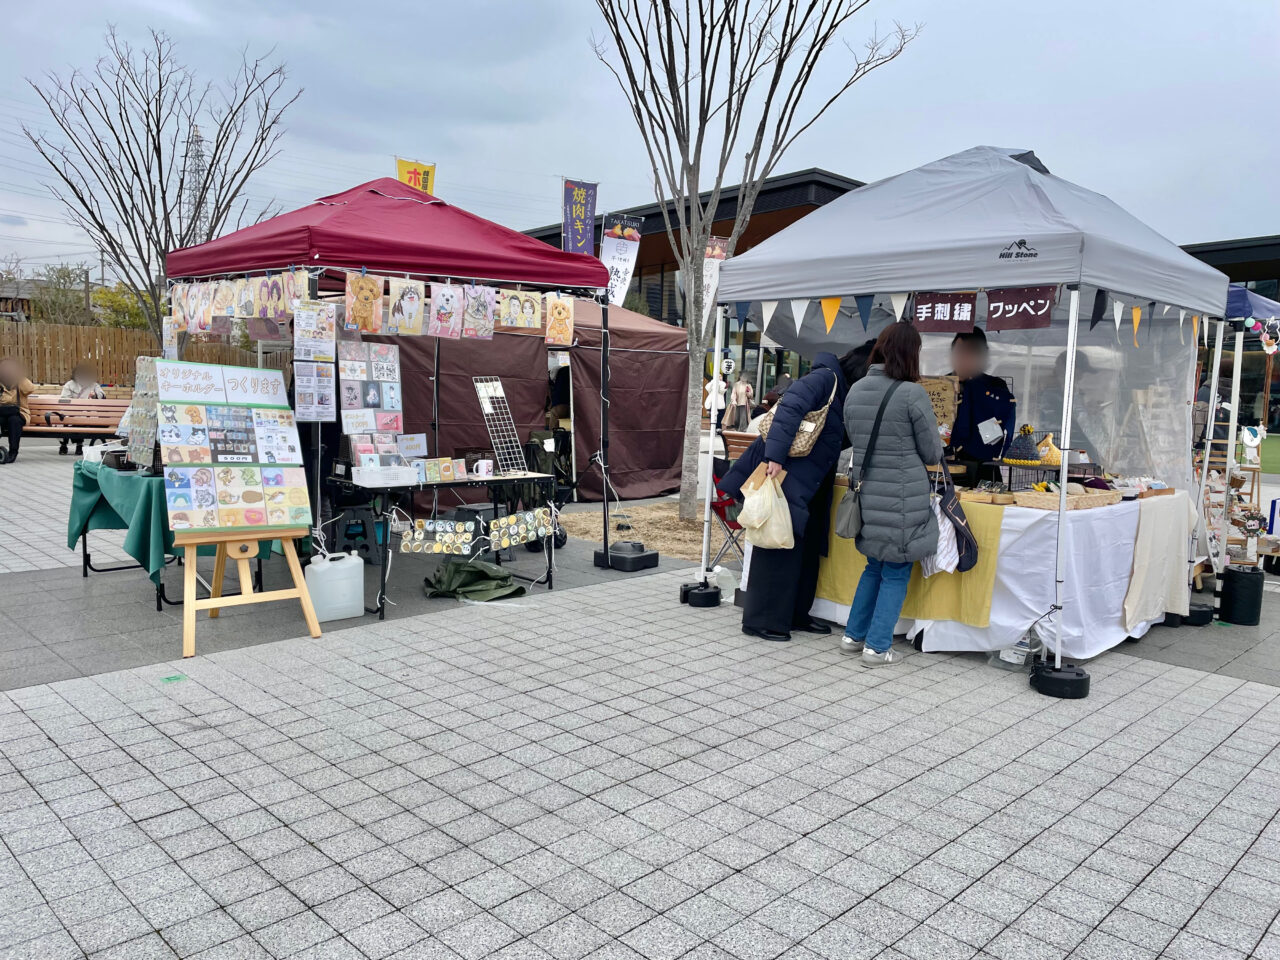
[336, 584]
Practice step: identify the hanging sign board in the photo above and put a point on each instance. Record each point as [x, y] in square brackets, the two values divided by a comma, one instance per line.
[945, 312]
[1020, 308]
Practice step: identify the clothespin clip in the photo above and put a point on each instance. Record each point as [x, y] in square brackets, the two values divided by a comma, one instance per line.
[364, 271]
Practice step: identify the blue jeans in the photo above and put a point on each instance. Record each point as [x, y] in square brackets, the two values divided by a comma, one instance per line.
[878, 602]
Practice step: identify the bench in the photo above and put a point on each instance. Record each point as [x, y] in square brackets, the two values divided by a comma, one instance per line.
[736, 443]
[71, 419]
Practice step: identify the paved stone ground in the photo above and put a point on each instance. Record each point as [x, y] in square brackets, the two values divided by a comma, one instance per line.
[533, 779]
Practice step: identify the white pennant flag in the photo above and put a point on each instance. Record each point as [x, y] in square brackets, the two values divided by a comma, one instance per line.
[899, 301]
[1118, 309]
[766, 312]
[1164, 311]
[798, 308]
[1182, 315]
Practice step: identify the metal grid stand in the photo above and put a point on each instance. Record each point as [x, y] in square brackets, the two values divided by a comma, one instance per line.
[502, 426]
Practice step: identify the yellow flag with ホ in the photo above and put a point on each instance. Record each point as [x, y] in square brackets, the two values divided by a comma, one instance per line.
[415, 174]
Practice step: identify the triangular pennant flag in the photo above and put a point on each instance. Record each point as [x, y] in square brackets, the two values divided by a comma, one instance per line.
[766, 312]
[1164, 311]
[1099, 306]
[798, 309]
[1118, 309]
[899, 301]
[1137, 319]
[743, 307]
[1182, 315]
[864, 302]
[1195, 328]
[830, 307]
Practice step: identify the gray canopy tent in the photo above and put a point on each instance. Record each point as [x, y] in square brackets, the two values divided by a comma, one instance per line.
[984, 219]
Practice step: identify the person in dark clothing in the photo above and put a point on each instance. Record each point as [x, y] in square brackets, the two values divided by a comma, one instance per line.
[560, 394]
[982, 398]
[15, 413]
[783, 582]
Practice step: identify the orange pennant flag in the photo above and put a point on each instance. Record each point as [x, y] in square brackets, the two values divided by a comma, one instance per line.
[1195, 327]
[1137, 318]
[830, 307]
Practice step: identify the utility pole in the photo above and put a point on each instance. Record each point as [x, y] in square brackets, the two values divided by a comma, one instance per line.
[102, 266]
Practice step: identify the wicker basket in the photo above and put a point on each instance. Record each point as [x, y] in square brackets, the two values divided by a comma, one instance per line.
[1075, 501]
[975, 496]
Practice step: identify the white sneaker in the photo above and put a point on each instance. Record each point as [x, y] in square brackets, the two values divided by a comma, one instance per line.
[850, 645]
[872, 659]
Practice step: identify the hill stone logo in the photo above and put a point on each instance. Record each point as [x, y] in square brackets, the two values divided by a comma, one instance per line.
[1019, 250]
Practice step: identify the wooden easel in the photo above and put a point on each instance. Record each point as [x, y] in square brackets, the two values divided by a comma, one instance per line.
[241, 547]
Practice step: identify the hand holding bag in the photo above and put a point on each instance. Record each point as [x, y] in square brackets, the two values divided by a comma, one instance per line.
[947, 557]
[765, 514]
[849, 512]
[953, 512]
[808, 430]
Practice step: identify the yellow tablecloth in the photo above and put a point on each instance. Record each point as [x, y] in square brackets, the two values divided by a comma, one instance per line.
[965, 597]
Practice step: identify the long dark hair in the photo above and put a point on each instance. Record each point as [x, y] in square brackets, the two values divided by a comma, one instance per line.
[898, 348]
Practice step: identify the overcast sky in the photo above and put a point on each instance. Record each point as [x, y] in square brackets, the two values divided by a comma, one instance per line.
[1167, 107]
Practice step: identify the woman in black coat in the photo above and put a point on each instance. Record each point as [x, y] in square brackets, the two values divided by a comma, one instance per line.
[783, 582]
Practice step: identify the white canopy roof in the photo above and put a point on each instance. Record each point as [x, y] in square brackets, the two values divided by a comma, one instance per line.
[987, 217]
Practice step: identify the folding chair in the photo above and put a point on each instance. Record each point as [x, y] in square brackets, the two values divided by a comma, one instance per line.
[721, 505]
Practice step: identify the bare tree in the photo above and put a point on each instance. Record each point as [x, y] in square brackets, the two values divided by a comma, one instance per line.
[119, 153]
[60, 294]
[712, 83]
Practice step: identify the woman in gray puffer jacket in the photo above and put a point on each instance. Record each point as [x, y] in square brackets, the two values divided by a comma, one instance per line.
[898, 524]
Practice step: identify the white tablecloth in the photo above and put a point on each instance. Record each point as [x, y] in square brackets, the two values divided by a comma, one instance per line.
[1099, 559]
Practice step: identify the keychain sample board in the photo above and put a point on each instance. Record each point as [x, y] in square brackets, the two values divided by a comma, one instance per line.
[230, 449]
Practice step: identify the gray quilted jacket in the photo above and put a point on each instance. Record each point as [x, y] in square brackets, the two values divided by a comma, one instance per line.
[897, 521]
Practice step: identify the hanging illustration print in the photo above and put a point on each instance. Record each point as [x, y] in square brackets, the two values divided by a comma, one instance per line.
[446, 311]
[178, 303]
[560, 319]
[406, 306]
[477, 315]
[364, 303]
[244, 298]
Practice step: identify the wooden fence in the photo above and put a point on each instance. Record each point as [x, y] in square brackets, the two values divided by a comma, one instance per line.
[50, 350]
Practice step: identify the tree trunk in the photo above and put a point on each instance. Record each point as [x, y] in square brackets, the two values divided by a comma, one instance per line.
[692, 435]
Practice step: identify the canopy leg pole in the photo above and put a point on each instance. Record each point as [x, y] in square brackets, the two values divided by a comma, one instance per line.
[1068, 397]
[604, 421]
[711, 449]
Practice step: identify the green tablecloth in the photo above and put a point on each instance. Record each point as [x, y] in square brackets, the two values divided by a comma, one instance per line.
[107, 499]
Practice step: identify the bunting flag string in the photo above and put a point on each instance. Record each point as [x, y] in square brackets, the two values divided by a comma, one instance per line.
[766, 312]
[798, 308]
[864, 302]
[830, 307]
[1137, 319]
[899, 301]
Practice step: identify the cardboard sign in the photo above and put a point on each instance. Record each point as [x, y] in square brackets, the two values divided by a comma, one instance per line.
[944, 393]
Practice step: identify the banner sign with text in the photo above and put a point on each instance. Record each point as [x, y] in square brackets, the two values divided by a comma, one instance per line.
[578, 224]
[717, 252]
[618, 250]
[945, 312]
[1020, 308]
[415, 174]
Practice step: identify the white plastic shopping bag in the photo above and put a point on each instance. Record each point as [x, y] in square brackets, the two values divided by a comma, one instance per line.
[947, 557]
[765, 515]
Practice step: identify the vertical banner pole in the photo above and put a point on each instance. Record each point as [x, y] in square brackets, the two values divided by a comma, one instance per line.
[1210, 423]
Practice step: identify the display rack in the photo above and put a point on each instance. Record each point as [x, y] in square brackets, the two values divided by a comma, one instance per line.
[507, 447]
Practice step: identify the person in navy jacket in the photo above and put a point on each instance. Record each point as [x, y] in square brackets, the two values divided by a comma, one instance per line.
[982, 397]
[782, 584]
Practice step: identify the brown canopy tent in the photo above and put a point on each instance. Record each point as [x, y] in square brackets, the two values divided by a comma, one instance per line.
[649, 362]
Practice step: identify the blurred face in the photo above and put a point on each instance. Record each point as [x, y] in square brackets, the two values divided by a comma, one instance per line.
[10, 371]
[86, 374]
[967, 360]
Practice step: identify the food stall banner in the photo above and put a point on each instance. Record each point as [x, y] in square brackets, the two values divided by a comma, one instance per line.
[619, 247]
[578, 225]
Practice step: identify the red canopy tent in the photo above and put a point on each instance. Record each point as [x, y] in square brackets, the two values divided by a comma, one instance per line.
[385, 226]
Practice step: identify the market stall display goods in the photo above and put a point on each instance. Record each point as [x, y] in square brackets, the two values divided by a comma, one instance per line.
[230, 448]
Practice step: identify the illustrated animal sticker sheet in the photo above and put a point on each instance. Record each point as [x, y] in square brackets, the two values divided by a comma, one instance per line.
[230, 448]
[370, 392]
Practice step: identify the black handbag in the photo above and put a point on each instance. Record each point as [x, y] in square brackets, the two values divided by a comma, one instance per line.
[849, 511]
[966, 542]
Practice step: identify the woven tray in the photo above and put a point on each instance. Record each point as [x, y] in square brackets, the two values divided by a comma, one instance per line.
[1075, 501]
[975, 496]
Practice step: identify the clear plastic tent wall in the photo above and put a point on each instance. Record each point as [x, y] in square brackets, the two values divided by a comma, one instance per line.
[1132, 408]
